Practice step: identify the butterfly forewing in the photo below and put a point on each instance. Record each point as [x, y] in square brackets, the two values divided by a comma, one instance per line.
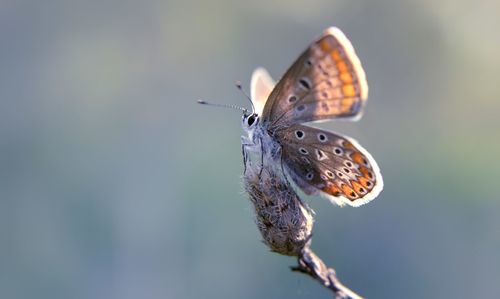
[327, 81]
[331, 164]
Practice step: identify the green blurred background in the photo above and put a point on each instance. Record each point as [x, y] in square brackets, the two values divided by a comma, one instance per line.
[115, 184]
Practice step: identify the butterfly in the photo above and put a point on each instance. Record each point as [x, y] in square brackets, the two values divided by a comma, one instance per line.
[326, 82]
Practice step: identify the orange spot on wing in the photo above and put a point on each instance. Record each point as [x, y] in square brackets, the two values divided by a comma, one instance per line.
[368, 174]
[348, 192]
[358, 158]
[348, 145]
[347, 103]
[346, 77]
[366, 183]
[332, 190]
[324, 45]
[348, 90]
[342, 66]
[357, 186]
[335, 54]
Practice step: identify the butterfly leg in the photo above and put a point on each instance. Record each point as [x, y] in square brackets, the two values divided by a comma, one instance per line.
[261, 158]
[245, 142]
[252, 147]
[245, 158]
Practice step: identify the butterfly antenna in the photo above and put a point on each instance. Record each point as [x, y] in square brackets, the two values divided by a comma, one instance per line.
[238, 85]
[202, 102]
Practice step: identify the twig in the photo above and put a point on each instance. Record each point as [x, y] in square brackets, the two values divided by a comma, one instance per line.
[311, 264]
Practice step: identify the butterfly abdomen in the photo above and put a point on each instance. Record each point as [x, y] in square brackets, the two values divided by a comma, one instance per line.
[284, 222]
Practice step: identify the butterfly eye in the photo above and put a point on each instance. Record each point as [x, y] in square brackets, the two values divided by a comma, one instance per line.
[251, 120]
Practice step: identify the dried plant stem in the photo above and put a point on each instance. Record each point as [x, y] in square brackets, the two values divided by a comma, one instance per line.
[311, 264]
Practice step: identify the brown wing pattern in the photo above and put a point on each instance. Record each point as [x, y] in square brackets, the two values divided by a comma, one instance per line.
[327, 81]
[333, 165]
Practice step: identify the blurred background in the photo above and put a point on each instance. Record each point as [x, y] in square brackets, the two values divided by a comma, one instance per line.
[115, 184]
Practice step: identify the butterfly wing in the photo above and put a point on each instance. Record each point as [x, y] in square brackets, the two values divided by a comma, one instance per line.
[327, 81]
[260, 88]
[330, 164]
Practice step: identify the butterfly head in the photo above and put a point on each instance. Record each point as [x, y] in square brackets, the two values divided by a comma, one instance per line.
[250, 121]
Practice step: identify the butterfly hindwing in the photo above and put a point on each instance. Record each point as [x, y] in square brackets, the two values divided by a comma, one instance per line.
[327, 81]
[261, 86]
[329, 164]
